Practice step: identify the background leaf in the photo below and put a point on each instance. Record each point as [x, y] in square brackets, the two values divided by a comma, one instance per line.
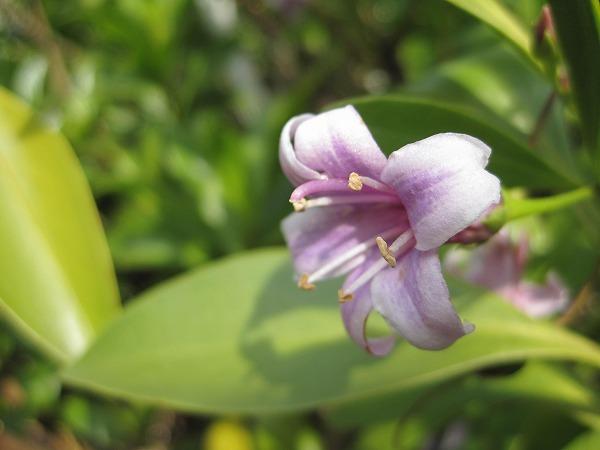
[398, 120]
[579, 39]
[503, 21]
[58, 285]
[559, 390]
[508, 94]
[586, 441]
[239, 337]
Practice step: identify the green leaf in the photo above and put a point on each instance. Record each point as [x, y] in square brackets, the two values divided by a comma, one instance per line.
[398, 120]
[501, 20]
[57, 286]
[238, 336]
[579, 39]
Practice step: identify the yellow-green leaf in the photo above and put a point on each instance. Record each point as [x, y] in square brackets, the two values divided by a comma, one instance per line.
[57, 285]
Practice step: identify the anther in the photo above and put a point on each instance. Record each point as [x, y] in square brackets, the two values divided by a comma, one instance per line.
[354, 182]
[385, 251]
[344, 297]
[303, 283]
[299, 205]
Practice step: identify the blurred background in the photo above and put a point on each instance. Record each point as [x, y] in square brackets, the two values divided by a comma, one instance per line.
[174, 108]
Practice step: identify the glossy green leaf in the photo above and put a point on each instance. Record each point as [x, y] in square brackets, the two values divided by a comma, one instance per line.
[398, 120]
[57, 286]
[579, 38]
[238, 336]
[502, 20]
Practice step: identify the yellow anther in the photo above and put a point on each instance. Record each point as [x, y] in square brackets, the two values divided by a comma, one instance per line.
[303, 283]
[354, 182]
[385, 251]
[344, 297]
[299, 205]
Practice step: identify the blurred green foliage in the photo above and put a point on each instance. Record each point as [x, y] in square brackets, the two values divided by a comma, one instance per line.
[174, 108]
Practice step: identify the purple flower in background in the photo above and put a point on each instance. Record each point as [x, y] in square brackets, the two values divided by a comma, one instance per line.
[381, 221]
[499, 265]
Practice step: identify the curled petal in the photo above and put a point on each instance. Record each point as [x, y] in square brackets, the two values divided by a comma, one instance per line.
[414, 299]
[443, 185]
[356, 312]
[320, 235]
[337, 143]
[296, 171]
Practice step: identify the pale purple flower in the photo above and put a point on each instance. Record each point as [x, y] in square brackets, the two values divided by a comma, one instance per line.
[499, 265]
[381, 221]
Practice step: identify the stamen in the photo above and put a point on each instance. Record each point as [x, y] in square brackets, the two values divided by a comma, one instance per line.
[315, 188]
[353, 252]
[398, 247]
[354, 182]
[344, 297]
[377, 185]
[385, 251]
[303, 283]
[299, 205]
[304, 204]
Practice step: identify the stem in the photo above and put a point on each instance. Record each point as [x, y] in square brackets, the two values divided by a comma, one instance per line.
[542, 118]
[513, 209]
[583, 300]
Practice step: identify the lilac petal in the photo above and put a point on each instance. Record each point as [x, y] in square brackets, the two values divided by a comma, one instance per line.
[337, 143]
[319, 235]
[414, 300]
[442, 182]
[538, 300]
[356, 312]
[296, 171]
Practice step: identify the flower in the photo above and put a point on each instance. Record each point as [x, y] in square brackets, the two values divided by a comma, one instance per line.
[381, 221]
[499, 265]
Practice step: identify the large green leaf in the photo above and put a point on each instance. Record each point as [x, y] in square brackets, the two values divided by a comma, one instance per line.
[398, 120]
[238, 336]
[57, 285]
[579, 39]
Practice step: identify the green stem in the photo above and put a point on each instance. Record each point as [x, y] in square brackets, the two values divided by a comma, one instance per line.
[514, 208]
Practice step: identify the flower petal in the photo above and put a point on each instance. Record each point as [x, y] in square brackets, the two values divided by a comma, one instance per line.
[319, 235]
[537, 300]
[296, 171]
[414, 300]
[498, 263]
[356, 312]
[442, 182]
[337, 143]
